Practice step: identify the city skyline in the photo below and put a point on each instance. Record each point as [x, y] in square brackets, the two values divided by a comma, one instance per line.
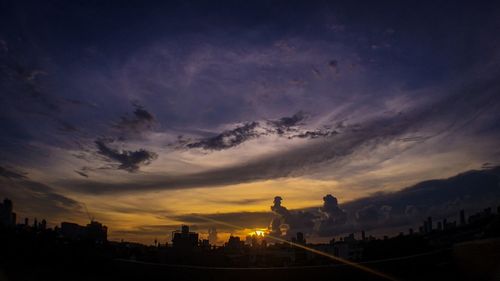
[421, 254]
[373, 215]
[151, 115]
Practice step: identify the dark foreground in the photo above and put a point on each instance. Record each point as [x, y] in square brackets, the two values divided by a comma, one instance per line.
[477, 260]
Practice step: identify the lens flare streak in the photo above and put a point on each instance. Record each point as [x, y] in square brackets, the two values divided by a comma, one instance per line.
[335, 258]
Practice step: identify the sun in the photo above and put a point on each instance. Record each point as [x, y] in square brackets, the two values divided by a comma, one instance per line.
[260, 233]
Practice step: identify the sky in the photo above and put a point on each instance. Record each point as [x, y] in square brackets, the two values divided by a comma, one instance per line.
[151, 114]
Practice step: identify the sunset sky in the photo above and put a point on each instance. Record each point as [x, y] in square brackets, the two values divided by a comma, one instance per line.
[148, 112]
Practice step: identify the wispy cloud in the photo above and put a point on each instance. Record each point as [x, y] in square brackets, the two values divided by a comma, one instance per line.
[11, 174]
[441, 118]
[141, 121]
[33, 198]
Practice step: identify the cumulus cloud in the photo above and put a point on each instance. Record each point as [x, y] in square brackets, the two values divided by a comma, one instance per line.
[286, 223]
[402, 209]
[331, 208]
[330, 219]
[128, 160]
[331, 215]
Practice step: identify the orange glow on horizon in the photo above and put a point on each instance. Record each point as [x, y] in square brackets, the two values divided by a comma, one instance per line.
[259, 232]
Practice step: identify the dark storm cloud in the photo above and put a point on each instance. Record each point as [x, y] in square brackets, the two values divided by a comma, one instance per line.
[473, 186]
[128, 160]
[472, 191]
[443, 198]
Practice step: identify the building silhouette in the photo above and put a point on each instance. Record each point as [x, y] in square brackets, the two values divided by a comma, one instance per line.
[97, 232]
[462, 217]
[235, 244]
[187, 248]
[7, 216]
[94, 231]
[184, 239]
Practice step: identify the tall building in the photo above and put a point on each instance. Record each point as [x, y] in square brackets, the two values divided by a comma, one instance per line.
[462, 217]
[300, 238]
[7, 217]
[43, 224]
[234, 244]
[97, 232]
[300, 254]
[184, 239]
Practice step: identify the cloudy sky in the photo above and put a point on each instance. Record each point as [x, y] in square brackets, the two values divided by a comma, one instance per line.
[148, 112]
